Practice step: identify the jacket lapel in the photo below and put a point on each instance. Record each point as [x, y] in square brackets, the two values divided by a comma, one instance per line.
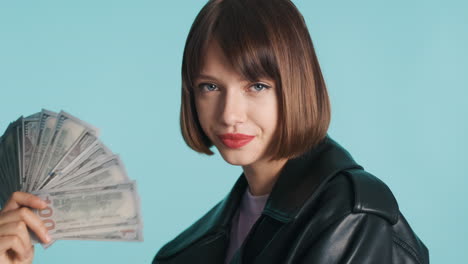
[300, 182]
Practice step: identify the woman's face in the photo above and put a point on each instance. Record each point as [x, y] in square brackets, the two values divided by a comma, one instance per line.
[238, 116]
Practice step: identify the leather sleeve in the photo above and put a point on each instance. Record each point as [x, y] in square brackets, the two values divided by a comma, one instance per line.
[355, 238]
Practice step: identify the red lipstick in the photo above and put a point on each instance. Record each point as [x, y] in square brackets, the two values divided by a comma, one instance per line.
[235, 140]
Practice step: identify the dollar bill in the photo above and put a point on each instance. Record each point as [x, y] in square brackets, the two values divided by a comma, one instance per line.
[12, 157]
[46, 127]
[89, 209]
[111, 170]
[30, 135]
[92, 157]
[20, 151]
[4, 181]
[67, 131]
[116, 233]
[80, 147]
[119, 232]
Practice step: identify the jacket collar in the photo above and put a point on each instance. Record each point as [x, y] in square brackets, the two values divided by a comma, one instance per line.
[300, 180]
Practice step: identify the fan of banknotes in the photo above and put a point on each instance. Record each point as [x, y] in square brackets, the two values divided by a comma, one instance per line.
[59, 158]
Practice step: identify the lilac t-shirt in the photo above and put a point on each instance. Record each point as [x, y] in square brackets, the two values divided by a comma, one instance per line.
[250, 209]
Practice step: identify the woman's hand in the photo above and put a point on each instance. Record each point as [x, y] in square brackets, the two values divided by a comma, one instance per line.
[15, 219]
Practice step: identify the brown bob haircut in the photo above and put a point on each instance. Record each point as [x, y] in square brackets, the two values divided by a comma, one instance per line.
[260, 38]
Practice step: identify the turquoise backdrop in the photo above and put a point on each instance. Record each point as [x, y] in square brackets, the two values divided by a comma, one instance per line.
[397, 74]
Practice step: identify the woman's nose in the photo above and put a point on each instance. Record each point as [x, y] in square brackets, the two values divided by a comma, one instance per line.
[233, 108]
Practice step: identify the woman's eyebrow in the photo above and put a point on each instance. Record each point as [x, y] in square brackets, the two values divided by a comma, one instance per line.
[206, 76]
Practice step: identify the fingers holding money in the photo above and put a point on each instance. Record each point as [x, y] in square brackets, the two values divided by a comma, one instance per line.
[15, 219]
[16, 229]
[18, 218]
[19, 199]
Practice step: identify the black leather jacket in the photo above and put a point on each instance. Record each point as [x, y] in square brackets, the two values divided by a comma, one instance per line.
[324, 208]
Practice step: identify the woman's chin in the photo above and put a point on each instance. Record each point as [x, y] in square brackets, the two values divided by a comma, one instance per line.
[235, 161]
[237, 158]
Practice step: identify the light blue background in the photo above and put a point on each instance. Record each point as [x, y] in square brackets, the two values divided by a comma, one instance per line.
[396, 73]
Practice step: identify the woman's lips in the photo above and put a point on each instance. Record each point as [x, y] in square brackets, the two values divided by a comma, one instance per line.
[235, 140]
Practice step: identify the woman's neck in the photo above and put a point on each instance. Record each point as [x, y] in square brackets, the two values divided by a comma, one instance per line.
[262, 176]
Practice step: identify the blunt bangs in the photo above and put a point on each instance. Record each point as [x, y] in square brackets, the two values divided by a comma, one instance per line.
[242, 36]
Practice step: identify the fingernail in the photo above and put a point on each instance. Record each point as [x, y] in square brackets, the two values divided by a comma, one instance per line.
[47, 238]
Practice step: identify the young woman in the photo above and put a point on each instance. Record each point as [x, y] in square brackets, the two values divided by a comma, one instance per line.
[252, 87]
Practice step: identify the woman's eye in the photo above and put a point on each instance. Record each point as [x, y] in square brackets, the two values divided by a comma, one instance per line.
[208, 87]
[259, 87]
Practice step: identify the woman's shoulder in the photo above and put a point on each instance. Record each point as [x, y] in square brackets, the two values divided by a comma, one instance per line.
[342, 184]
[363, 192]
[357, 198]
[352, 191]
